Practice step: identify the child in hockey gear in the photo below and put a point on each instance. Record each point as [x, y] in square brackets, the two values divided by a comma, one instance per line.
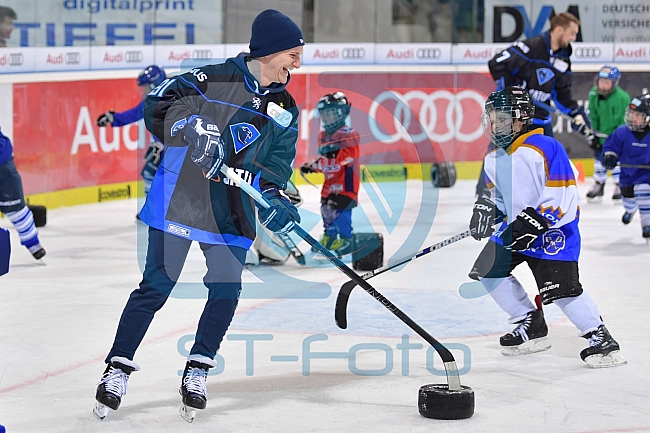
[113, 385]
[205, 119]
[607, 105]
[338, 147]
[193, 389]
[629, 145]
[12, 200]
[148, 80]
[533, 183]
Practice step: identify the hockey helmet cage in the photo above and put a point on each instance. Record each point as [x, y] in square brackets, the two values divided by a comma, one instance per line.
[608, 73]
[333, 109]
[639, 105]
[151, 75]
[502, 108]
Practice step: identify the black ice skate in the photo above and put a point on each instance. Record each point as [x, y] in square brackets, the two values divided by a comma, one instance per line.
[603, 350]
[616, 195]
[37, 251]
[528, 337]
[645, 232]
[596, 191]
[627, 218]
[193, 389]
[113, 385]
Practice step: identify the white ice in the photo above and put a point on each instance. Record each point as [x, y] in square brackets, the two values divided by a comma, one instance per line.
[57, 322]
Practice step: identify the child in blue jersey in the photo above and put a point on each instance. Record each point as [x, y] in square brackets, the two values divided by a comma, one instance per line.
[629, 145]
[533, 194]
[12, 200]
[148, 80]
[237, 113]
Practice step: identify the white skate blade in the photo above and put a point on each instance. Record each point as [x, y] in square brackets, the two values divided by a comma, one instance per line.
[613, 359]
[101, 410]
[530, 346]
[597, 199]
[188, 413]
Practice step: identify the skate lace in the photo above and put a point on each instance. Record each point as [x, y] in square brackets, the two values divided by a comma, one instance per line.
[522, 328]
[195, 381]
[596, 339]
[115, 380]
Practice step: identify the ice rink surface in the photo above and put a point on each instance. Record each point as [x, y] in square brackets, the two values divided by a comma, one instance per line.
[284, 366]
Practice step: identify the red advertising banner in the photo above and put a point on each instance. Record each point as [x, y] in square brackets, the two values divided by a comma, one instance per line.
[401, 117]
[57, 143]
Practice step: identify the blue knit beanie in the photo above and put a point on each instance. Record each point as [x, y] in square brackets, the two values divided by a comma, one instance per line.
[273, 32]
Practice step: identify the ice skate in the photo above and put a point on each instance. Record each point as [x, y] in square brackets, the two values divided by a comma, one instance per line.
[326, 241]
[528, 337]
[616, 195]
[37, 251]
[596, 192]
[193, 389]
[627, 218]
[603, 350]
[341, 246]
[645, 232]
[113, 385]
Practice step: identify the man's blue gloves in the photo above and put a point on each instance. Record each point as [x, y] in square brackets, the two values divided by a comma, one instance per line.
[581, 122]
[282, 215]
[209, 152]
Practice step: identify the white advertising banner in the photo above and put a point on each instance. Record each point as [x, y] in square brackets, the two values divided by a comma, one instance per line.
[172, 56]
[121, 57]
[475, 53]
[601, 21]
[414, 54]
[115, 22]
[586, 52]
[632, 53]
[339, 54]
[61, 58]
[14, 60]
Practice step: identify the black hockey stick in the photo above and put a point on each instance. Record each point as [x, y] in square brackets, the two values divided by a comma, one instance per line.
[634, 166]
[558, 113]
[340, 310]
[453, 378]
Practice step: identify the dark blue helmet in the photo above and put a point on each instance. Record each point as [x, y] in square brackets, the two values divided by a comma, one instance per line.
[608, 73]
[502, 109]
[333, 108]
[151, 75]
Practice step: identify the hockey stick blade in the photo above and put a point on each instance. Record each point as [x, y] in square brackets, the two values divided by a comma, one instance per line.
[340, 309]
[453, 377]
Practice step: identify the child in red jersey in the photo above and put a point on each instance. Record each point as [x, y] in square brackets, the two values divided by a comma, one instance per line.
[338, 148]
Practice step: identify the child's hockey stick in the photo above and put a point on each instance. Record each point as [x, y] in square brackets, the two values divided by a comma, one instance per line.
[453, 378]
[340, 310]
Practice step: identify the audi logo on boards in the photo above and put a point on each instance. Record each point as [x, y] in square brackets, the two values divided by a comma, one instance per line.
[428, 53]
[201, 54]
[587, 52]
[440, 116]
[133, 56]
[72, 58]
[16, 59]
[353, 53]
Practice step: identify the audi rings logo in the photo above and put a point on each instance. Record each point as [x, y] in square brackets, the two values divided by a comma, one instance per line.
[587, 53]
[353, 53]
[72, 58]
[428, 53]
[133, 56]
[16, 59]
[416, 116]
[202, 54]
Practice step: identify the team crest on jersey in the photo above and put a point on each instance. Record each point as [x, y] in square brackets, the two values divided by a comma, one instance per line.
[243, 134]
[554, 242]
[257, 102]
[544, 75]
[279, 114]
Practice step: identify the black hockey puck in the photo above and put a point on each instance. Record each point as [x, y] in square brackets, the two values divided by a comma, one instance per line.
[438, 402]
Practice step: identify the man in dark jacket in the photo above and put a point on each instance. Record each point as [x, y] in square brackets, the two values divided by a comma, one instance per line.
[238, 113]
